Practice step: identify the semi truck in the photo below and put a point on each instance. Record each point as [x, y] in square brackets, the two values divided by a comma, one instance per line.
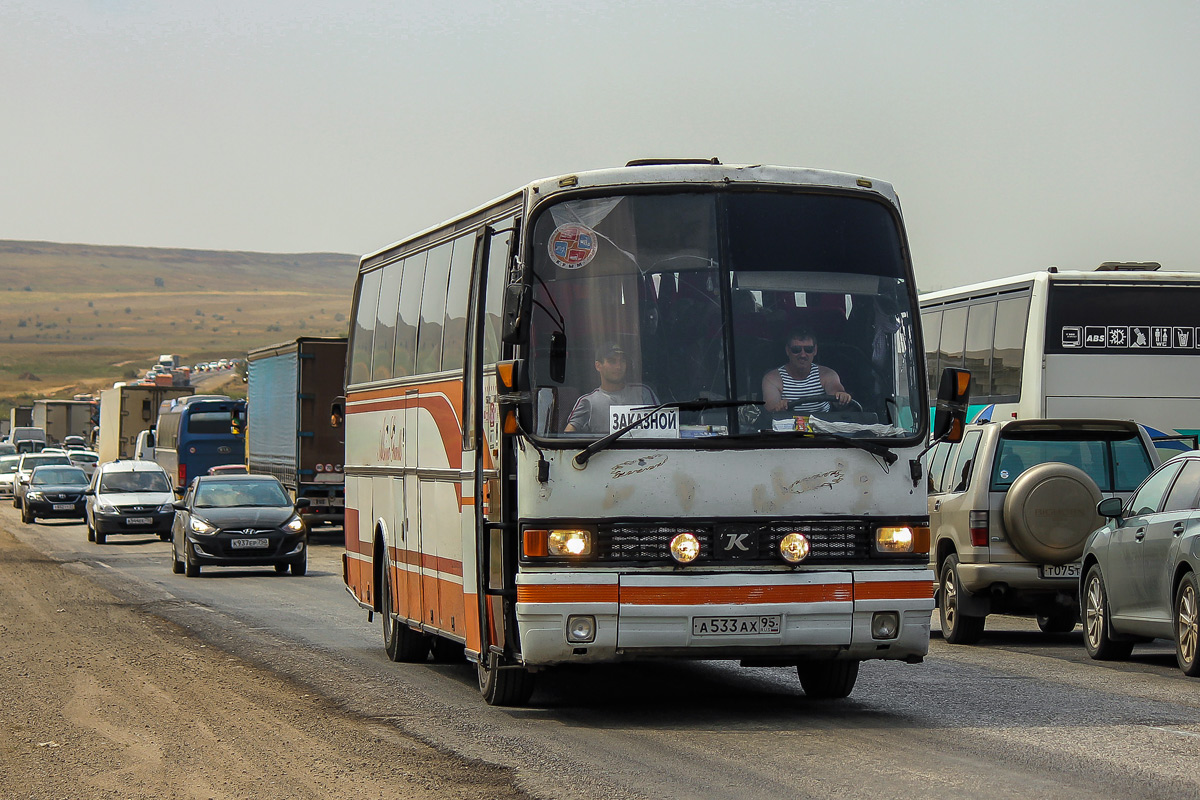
[126, 411]
[63, 418]
[290, 388]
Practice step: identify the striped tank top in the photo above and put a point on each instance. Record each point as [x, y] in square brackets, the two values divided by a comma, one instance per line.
[811, 386]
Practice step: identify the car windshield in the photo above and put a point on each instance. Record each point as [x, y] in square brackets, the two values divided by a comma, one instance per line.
[59, 476]
[1116, 463]
[143, 481]
[229, 494]
[83, 458]
[649, 299]
[31, 462]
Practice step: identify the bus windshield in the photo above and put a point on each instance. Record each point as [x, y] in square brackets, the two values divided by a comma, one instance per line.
[791, 309]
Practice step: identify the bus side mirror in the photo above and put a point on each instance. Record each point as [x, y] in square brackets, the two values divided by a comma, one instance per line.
[337, 412]
[510, 377]
[518, 301]
[951, 413]
[558, 356]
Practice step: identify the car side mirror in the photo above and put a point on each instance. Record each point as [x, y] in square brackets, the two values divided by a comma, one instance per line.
[303, 502]
[1110, 508]
[90, 493]
[179, 505]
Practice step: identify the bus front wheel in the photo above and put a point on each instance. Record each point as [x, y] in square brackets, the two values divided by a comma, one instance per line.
[828, 680]
[504, 687]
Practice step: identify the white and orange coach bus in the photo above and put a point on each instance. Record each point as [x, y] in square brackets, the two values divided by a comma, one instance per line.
[557, 445]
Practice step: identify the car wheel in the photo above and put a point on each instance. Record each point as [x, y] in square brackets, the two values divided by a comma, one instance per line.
[1187, 625]
[91, 531]
[401, 642]
[827, 680]
[1097, 630]
[300, 565]
[1061, 619]
[190, 567]
[504, 687]
[281, 568]
[957, 627]
[26, 515]
[176, 564]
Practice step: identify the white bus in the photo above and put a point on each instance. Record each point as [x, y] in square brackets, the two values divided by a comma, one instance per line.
[500, 519]
[1119, 342]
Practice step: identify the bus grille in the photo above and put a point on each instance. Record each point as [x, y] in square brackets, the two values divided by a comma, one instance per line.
[753, 543]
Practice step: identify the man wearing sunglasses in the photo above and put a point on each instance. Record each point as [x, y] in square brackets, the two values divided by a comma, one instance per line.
[590, 414]
[802, 378]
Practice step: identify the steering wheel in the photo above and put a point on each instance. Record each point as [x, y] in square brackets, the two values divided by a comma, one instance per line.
[794, 405]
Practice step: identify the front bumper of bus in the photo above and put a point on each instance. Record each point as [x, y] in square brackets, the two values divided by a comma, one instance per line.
[574, 617]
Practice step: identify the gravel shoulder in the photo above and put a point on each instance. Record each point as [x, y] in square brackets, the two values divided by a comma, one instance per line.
[99, 699]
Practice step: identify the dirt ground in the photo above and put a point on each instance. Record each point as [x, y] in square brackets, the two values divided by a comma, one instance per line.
[101, 700]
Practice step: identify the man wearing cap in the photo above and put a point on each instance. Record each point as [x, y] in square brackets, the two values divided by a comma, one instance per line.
[590, 414]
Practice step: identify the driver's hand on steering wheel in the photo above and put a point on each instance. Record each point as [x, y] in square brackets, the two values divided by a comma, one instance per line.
[842, 398]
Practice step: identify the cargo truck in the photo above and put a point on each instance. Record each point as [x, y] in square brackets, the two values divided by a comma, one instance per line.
[291, 387]
[20, 417]
[126, 411]
[63, 418]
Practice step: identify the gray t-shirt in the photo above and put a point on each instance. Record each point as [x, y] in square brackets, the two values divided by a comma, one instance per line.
[590, 414]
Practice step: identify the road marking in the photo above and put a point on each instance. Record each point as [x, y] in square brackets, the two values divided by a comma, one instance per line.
[1173, 730]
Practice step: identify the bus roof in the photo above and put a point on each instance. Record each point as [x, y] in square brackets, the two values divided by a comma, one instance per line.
[664, 172]
[1054, 275]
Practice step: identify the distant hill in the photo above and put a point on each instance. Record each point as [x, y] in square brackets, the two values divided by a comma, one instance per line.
[76, 318]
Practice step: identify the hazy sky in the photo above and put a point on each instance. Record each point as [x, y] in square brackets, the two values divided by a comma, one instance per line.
[1018, 134]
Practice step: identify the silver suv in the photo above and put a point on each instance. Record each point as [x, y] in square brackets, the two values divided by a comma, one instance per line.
[1009, 509]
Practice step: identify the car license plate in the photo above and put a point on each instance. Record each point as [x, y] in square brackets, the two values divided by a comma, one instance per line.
[736, 626]
[138, 520]
[64, 506]
[1062, 570]
[318, 501]
[249, 544]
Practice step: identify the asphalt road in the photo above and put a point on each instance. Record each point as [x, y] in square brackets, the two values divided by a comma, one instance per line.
[1022, 714]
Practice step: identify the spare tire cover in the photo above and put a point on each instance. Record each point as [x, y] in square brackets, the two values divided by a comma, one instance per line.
[1049, 511]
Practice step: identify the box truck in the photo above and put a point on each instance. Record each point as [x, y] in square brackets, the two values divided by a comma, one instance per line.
[63, 418]
[126, 411]
[290, 388]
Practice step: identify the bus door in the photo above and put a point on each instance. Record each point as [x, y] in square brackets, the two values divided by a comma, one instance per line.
[417, 602]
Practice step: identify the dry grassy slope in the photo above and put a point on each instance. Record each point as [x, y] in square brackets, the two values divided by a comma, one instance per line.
[77, 317]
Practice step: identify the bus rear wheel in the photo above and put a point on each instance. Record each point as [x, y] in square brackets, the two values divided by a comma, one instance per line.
[504, 687]
[828, 680]
[400, 642]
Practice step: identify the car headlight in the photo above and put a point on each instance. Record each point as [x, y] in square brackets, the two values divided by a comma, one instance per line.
[38, 496]
[294, 525]
[103, 508]
[198, 525]
[166, 508]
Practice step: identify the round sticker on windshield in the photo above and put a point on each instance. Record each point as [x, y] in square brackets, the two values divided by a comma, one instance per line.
[572, 246]
[1003, 474]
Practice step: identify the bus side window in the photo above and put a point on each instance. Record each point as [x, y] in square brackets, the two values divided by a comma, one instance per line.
[458, 296]
[960, 477]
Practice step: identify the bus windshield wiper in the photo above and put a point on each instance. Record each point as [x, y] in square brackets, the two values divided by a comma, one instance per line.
[875, 449]
[699, 404]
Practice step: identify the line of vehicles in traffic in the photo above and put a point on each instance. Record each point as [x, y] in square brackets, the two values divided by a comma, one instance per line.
[553, 433]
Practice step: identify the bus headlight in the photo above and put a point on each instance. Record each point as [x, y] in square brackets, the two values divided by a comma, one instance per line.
[794, 548]
[885, 625]
[902, 539]
[685, 547]
[569, 543]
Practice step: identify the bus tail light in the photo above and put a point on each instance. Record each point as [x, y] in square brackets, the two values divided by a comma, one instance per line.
[977, 521]
[182, 474]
